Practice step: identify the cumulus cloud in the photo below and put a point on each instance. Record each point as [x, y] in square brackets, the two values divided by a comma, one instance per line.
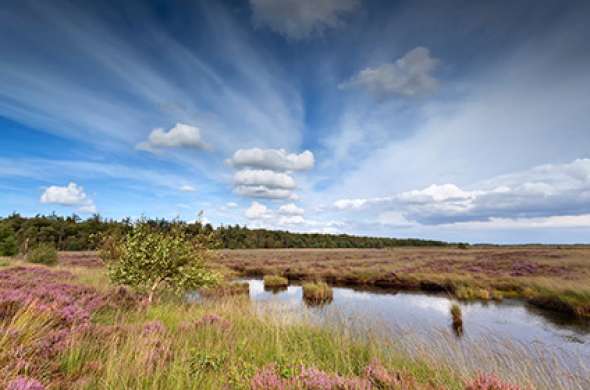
[272, 159]
[264, 192]
[291, 209]
[180, 136]
[547, 191]
[231, 205]
[299, 19]
[288, 216]
[71, 195]
[258, 211]
[410, 75]
[267, 178]
[266, 173]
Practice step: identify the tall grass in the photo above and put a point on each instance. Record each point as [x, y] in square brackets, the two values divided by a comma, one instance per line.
[317, 293]
[209, 346]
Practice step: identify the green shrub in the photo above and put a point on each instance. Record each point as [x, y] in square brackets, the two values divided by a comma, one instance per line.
[150, 260]
[8, 244]
[43, 254]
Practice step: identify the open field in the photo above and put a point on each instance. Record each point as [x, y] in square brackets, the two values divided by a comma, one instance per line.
[66, 327]
[552, 277]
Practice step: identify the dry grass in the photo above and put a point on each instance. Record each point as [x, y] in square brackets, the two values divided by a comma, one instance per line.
[317, 293]
[549, 276]
[275, 281]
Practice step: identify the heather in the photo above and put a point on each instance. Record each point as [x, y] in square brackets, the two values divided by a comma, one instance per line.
[551, 277]
[73, 329]
[70, 326]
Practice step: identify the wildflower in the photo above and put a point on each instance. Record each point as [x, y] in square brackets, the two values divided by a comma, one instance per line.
[24, 383]
[490, 382]
[212, 320]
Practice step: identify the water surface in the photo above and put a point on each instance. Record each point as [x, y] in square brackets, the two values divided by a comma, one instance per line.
[497, 328]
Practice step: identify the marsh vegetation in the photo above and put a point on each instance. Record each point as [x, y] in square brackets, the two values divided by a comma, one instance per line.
[127, 320]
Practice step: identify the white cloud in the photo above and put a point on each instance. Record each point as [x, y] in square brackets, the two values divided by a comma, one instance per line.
[565, 221]
[547, 191]
[291, 220]
[291, 209]
[187, 188]
[299, 19]
[264, 192]
[180, 136]
[411, 75]
[273, 159]
[266, 178]
[258, 211]
[266, 172]
[231, 205]
[71, 195]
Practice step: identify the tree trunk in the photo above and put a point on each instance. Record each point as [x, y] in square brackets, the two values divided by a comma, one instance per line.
[152, 291]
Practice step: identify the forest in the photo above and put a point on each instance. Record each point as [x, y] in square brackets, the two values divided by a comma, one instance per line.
[72, 233]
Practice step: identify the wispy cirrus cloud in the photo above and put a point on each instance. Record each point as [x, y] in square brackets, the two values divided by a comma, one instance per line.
[300, 19]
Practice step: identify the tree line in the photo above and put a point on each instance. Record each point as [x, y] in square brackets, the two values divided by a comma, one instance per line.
[19, 234]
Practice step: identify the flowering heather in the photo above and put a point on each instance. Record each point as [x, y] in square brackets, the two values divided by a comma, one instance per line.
[490, 382]
[384, 379]
[81, 259]
[212, 320]
[24, 383]
[153, 328]
[48, 291]
[153, 349]
[268, 378]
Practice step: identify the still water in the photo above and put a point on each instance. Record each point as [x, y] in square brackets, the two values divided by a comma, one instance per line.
[498, 331]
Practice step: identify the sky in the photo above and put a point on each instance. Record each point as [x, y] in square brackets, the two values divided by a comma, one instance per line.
[455, 120]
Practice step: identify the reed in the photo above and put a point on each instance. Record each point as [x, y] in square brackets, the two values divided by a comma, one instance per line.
[318, 292]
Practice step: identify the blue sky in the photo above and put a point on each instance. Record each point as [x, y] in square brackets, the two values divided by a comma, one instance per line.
[457, 120]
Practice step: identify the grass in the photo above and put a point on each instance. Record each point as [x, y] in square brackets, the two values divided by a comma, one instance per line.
[275, 281]
[556, 278]
[174, 345]
[226, 343]
[457, 317]
[225, 290]
[4, 261]
[317, 292]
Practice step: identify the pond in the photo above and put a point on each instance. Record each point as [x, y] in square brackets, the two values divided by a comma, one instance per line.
[494, 333]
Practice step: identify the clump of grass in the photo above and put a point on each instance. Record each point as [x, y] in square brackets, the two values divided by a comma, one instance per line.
[497, 295]
[43, 254]
[318, 292]
[471, 293]
[457, 317]
[275, 281]
[226, 290]
[4, 262]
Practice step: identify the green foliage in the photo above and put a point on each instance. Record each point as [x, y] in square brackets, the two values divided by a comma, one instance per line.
[43, 254]
[8, 243]
[150, 260]
[72, 233]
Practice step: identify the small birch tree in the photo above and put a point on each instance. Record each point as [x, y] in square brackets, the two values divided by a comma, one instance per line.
[149, 261]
